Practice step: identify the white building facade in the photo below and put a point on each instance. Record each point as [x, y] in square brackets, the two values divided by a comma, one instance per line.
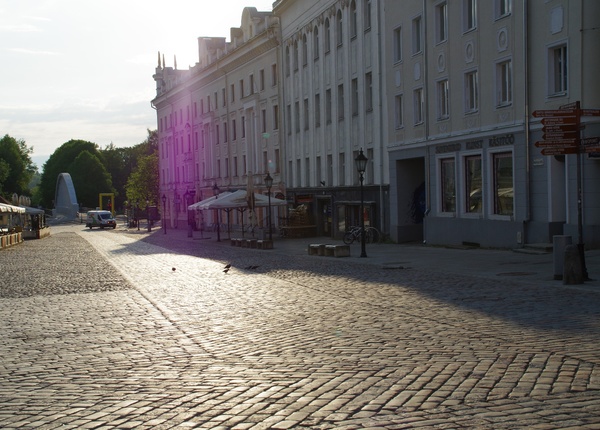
[331, 70]
[218, 122]
[463, 79]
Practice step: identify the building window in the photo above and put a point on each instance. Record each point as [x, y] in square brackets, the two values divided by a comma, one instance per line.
[288, 119]
[261, 79]
[443, 93]
[306, 116]
[441, 22]
[297, 116]
[241, 89]
[217, 134]
[417, 35]
[502, 8]
[504, 83]
[354, 97]
[233, 130]
[503, 183]
[225, 128]
[243, 127]
[471, 92]
[367, 14]
[397, 44]
[327, 36]
[287, 61]
[469, 15]
[473, 184]
[277, 161]
[232, 92]
[252, 85]
[275, 117]
[328, 106]
[448, 185]
[369, 91]
[339, 34]
[558, 68]
[398, 112]
[340, 102]
[295, 53]
[273, 75]
[263, 116]
[317, 110]
[316, 43]
[418, 105]
[304, 51]
[354, 19]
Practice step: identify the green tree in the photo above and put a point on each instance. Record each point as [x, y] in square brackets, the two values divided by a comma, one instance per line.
[16, 167]
[90, 178]
[60, 162]
[143, 183]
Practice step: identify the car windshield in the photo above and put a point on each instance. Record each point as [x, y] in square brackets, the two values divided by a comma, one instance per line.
[106, 216]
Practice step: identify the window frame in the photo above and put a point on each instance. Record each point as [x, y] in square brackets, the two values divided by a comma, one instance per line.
[441, 22]
[471, 91]
[558, 71]
[504, 83]
[443, 99]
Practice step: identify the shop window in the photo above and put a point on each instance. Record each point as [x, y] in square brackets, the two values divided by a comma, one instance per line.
[473, 184]
[448, 184]
[503, 183]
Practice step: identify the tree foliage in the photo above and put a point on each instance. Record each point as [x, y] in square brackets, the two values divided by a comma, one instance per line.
[143, 184]
[89, 178]
[16, 167]
[60, 162]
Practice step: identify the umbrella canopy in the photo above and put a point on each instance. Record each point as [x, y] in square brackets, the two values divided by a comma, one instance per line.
[11, 208]
[205, 204]
[238, 200]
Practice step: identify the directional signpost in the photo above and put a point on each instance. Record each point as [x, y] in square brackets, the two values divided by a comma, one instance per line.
[561, 134]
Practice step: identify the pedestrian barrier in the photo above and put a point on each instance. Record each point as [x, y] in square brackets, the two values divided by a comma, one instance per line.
[252, 243]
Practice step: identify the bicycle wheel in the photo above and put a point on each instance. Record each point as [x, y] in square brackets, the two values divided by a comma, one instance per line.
[374, 235]
[348, 238]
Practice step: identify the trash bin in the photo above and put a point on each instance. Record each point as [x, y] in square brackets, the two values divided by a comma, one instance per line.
[560, 243]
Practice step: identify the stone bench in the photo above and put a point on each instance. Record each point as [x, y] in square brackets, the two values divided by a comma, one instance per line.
[329, 250]
[264, 244]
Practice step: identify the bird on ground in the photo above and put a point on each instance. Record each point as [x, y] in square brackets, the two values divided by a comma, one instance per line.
[173, 269]
[227, 267]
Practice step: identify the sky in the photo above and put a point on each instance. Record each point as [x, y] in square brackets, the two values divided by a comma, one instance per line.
[77, 69]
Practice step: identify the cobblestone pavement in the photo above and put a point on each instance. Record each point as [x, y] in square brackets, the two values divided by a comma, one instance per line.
[116, 329]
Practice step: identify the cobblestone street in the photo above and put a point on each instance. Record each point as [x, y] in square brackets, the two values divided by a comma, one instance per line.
[115, 329]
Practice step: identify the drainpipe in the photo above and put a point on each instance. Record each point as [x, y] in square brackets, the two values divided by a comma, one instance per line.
[382, 125]
[527, 123]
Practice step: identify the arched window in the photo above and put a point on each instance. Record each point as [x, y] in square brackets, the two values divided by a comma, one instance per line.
[304, 51]
[340, 28]
[295, 59]
[327, 36]
[316, 43]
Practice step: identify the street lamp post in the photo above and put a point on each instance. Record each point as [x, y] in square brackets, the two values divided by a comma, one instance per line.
[217, 191]
[148, 214]
[269, 184]
[361, 166]
[137, 214]
[164, 214]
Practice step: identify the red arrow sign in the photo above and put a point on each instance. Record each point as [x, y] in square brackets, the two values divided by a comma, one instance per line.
[559, 151]
[590, 141]
[554, 113]
[559, 128]
[560, 120]
[556, 142]
[591, 149]
[590, 112]
[552, 144]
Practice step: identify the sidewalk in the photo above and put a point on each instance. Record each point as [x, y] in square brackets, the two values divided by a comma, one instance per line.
[537, 268]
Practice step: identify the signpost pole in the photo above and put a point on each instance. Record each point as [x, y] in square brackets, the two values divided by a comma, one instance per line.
[580, 152]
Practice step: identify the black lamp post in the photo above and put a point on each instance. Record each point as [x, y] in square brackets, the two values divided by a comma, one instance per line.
[148, 214]
[126, 203]
[361, 166]
[269, 184]
[217, 191]
[164, 214]
[137, 214]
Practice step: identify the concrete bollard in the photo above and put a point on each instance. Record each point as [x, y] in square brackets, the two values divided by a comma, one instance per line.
[559, 244]
[573, 270]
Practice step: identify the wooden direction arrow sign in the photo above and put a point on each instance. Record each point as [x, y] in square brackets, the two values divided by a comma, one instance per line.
[590, 112]
[559, 151]
[559, 128]
[590, 141]
[556, 142]
[591, 149]
[554, 113]
[560, 120]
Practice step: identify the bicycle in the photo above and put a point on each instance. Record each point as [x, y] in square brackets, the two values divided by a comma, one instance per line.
[355, 234]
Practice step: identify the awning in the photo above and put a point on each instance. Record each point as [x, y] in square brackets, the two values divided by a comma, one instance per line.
[11, 208]
[238, 200]
[205, 204]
